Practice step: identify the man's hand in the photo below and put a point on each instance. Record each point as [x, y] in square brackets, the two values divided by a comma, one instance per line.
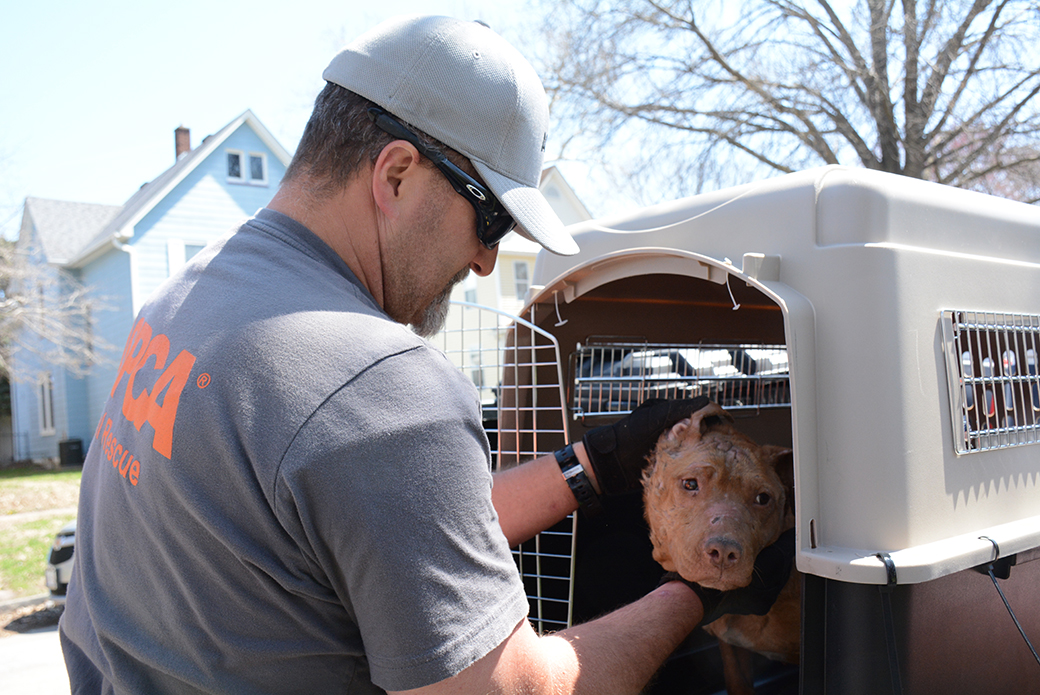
[772, 570]
[618, 452]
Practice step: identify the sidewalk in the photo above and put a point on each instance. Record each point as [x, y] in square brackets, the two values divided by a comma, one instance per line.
[31, 662]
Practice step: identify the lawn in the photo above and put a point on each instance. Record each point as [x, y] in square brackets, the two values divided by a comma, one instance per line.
[25, 538]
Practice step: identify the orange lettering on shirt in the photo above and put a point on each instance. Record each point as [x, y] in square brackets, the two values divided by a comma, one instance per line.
[141, 346]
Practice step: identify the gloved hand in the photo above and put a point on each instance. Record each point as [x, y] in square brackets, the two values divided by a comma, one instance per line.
[772, 570]
[618, 452]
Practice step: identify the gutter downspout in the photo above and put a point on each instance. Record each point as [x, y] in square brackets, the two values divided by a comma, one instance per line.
[135, 297]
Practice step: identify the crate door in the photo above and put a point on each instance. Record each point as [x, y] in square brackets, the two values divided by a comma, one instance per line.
[518, 373]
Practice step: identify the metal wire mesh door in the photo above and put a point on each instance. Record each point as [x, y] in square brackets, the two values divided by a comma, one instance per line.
[517, 369]
[991, 366]
[613, 375]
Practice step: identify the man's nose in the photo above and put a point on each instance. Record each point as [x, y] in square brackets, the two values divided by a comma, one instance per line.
[484, 262]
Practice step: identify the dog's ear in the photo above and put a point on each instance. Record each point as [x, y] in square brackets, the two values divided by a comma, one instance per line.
[678, 430]
[782, 460]
[708, 418]
[711, 417]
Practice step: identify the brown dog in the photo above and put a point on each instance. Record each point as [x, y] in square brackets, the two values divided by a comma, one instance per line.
[713, 499]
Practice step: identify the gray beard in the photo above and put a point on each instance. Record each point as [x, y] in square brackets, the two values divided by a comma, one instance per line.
[436, 313]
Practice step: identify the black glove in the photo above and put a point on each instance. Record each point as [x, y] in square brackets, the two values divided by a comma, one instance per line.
[618, 452]
[772, 570]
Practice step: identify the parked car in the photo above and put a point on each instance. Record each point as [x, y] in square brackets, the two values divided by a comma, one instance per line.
[59, 561]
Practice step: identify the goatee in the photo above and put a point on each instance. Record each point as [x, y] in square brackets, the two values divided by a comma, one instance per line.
[434, 316]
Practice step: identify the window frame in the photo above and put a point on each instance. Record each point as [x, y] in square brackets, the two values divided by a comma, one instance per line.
[245, 167]
[263, 168]
[45, 405]
[516, 279]
[241, 165]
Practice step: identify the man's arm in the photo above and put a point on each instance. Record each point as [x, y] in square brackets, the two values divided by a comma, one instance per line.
[534, 496]
[617, 653]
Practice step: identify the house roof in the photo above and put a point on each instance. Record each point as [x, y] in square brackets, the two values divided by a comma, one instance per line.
[121, 227]
[63, 228]
[562, 197]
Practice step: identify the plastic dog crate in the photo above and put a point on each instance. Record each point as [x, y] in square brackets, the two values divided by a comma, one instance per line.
[887, 329]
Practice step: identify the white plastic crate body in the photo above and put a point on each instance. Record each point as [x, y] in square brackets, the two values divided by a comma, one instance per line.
[862, 265]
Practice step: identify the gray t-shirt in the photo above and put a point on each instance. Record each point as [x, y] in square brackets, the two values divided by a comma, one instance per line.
[287, 492]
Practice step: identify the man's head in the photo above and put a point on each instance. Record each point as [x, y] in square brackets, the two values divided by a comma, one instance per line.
[455, 100]
[466, 87]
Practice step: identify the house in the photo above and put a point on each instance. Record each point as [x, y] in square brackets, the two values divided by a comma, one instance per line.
[123, 253]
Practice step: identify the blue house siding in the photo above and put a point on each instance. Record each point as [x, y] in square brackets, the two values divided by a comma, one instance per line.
[109, 279]
[201, 208]
[32, 441]
[77, 415]
[74, 408]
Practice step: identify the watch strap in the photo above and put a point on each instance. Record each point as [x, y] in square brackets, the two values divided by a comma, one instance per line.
[578, 481]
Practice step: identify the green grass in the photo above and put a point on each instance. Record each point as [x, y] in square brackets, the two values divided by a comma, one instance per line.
[22, 474]
[23, 554]
[25, 540]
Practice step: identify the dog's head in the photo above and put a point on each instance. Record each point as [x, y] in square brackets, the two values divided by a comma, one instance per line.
[714, 498]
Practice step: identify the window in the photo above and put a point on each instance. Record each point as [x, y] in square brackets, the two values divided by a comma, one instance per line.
[178, 253]
[46, 409]
[191, 249]
[520, 278]
[248, 168]
[470, 286]
[257, 168]
[234, 165]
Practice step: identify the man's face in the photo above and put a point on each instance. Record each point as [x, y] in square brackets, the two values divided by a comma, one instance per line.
[431, 257]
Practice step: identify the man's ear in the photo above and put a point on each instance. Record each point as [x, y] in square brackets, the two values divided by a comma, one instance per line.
[394, 177]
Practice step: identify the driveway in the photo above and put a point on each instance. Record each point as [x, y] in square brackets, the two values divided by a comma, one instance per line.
[31, 663]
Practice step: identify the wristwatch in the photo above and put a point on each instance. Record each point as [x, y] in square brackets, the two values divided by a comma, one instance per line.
[578, 481]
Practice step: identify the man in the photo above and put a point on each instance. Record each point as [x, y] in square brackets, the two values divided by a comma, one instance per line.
[289, 490]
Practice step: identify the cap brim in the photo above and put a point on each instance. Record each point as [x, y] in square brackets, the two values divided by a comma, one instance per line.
[535, 219]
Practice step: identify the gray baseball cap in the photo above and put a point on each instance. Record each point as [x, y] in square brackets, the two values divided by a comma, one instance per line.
[463, 84]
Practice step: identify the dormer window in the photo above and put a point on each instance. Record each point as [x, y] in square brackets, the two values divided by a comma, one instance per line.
[234, 165]
[248, 168]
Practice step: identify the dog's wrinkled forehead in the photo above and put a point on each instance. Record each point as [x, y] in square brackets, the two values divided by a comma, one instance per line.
[718, 445]
[728, 449]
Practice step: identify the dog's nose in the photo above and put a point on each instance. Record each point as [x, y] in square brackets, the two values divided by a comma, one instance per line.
[722, 552]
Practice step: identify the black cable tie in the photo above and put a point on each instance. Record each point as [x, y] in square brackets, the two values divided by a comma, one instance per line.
[996, 548]
[890, 623]
[890, 570]
[992, 576]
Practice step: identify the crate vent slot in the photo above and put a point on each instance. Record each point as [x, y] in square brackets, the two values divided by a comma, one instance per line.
[611, 377]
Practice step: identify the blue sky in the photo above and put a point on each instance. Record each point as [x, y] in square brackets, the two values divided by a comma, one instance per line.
[91, 92]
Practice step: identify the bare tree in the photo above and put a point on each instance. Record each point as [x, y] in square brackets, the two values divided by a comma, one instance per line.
[45, 312]
[703, 92]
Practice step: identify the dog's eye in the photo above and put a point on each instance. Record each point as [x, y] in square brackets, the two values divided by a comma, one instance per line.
[690, 484]
[763, 498]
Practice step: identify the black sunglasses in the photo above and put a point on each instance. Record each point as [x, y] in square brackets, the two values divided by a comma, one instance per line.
[493, 221]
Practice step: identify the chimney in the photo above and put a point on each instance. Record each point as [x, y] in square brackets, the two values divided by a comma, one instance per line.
[182, 141]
